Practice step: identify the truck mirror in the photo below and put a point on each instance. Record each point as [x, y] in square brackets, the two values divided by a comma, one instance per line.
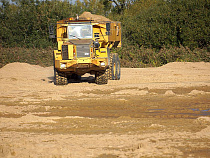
[107, 26]
[51, 31]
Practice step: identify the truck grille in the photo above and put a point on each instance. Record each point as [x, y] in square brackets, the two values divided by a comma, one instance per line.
[83, 50]
[65, 55]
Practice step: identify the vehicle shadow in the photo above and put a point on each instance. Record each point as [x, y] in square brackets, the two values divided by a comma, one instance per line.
[50, 79]
[89, 79]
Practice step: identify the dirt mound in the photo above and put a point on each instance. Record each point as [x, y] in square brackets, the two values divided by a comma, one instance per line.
[23, 70]
[171, 72]
[89, 16]
[186, 65]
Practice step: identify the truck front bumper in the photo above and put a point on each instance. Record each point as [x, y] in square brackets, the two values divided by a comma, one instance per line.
[89, 64]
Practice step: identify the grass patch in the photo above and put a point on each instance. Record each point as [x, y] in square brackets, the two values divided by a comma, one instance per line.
[133, 56]
[34, 56]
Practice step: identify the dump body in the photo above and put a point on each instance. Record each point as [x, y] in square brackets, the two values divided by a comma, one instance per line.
[84, 45]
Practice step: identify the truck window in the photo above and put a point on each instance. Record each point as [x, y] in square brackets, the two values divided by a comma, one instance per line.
[79, 31]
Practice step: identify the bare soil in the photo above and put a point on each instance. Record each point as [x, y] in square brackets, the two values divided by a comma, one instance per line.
[150, 112]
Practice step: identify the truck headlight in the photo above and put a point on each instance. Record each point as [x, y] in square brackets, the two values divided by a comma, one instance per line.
[102, 63]
[63, 66]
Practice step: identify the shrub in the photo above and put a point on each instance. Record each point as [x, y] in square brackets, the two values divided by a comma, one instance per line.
[42, 57]
[133, 56]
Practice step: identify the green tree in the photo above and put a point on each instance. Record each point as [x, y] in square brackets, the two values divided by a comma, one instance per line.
[192, 22]
[158, 23]
[26, 22]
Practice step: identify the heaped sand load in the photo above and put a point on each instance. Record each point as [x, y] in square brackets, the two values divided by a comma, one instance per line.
[94, 17]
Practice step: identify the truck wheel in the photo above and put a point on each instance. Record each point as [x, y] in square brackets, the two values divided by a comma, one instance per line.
[101, 77]
[54, 65]
[112, 67]
[60, 78]
[118, 71]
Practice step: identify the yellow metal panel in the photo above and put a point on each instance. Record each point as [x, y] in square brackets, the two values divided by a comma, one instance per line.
[70, 51]
[115, 31]
[57, 64]
[83, 60]
[97, 52]
[118, 32]
[103, 52]
[102, 32]
[70, 63]
[61, 32]
[60, 45]
[55, 51]
[98, 61]
[57, 55]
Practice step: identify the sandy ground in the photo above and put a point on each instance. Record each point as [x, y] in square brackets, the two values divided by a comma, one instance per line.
[150, 112]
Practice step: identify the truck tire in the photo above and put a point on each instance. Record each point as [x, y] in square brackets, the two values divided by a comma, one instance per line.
[54, 66]
[110, 68]
[60, 78]
[114, 67]
[118, 71]
[101, 77]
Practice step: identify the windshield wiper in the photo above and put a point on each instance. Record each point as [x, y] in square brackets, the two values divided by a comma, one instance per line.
[75, 36]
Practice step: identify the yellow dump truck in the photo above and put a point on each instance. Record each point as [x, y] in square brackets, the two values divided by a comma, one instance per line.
[84, 45]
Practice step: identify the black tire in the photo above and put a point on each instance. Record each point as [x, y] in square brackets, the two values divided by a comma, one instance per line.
[112, 67]
[118, 70]
[101, 77]
[60, 78]
[54, 65]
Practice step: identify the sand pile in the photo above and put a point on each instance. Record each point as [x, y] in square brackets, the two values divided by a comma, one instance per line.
[89, 16]
[186, 65]
[174, 74]
[24, 70]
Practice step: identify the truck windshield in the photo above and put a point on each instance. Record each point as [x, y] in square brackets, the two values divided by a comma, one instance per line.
[79, 31]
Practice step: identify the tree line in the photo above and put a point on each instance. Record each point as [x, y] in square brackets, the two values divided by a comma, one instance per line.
[149, 23]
